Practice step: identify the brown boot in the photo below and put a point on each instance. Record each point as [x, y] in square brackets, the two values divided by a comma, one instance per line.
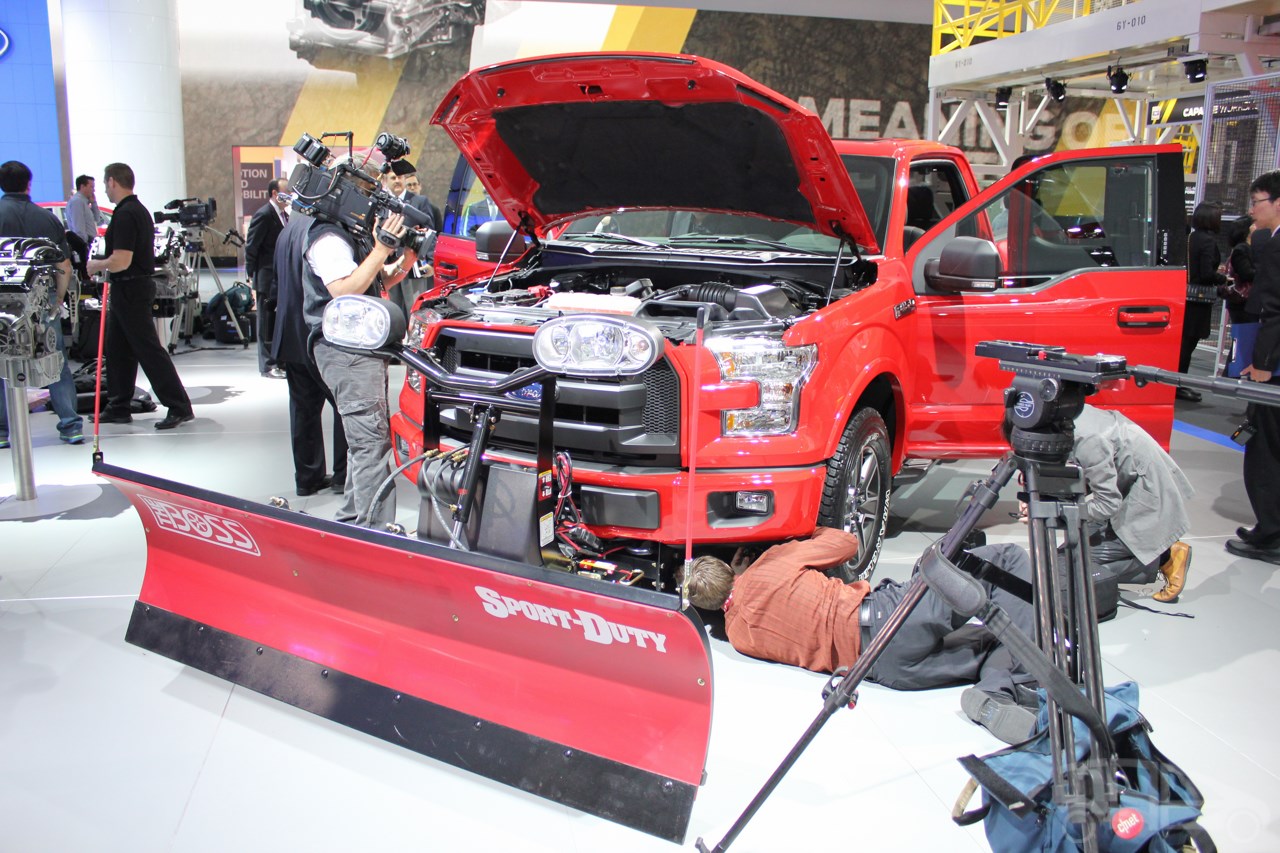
[1175, 573]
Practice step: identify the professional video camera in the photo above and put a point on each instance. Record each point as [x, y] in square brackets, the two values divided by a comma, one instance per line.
[350, 195]
[189, 212]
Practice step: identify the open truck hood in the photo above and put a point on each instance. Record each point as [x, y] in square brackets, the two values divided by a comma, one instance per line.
[558, 137]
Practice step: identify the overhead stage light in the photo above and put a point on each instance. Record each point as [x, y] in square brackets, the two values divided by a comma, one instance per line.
[1196, 69]
[1055, 89]
[1118, 78]
[1003, 94]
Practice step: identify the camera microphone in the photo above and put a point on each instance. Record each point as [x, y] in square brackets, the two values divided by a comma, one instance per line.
[392, 147]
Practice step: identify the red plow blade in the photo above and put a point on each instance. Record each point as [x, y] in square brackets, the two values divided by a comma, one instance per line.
[594, 695]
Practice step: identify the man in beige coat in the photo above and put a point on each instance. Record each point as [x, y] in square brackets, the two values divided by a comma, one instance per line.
[1136, 505]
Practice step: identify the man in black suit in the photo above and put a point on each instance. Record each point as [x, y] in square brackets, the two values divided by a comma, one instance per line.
[291, 350]
[260, 265]
[1262, 452]
[421, 276]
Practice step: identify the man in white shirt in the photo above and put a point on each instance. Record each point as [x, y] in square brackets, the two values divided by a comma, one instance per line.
[83, 214]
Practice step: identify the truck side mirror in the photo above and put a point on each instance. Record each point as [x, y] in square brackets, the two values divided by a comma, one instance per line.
[497, 243]
[967, 263]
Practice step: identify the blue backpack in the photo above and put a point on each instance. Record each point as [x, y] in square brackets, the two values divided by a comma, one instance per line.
[1158, 808]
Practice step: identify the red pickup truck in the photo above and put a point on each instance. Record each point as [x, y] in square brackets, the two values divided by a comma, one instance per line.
[819, 300]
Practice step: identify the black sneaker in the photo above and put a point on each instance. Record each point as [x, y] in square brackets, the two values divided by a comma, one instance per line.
[998, 714]
[173, 419]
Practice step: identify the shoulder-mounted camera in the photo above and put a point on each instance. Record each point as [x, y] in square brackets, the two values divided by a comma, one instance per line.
[349, 195]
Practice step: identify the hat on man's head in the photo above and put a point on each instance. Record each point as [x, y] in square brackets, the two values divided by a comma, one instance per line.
[402, 168]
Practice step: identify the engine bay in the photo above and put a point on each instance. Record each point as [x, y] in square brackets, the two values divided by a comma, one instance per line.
[672, 297]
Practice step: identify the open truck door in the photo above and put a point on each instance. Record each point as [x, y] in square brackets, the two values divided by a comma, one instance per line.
[492, 655]
[1082, 249]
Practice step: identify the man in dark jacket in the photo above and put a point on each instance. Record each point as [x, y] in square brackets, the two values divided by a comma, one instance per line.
[1262, 452]
[260, 265]
[20, 217]
[290, 350]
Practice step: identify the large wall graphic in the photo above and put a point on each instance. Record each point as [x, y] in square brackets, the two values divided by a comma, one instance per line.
[297, 70]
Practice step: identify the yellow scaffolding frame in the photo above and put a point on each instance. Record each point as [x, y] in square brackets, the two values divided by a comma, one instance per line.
[958, 24]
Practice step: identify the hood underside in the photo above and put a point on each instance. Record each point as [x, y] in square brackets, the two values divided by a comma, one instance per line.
[564, 136]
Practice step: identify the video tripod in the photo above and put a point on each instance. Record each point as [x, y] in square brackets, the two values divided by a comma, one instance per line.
[1047, 394]
[193, 253]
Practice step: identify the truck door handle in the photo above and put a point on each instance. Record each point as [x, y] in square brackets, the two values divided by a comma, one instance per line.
[447, 271]
[1143, 316]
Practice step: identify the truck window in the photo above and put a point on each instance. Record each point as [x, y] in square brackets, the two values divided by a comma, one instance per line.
[873, 179]
[1067, 217]
[934, 189]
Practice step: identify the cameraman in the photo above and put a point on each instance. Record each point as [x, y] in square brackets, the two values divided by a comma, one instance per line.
[358, 382]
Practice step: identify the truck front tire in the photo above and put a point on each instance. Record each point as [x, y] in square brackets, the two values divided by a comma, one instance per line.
[855, 496]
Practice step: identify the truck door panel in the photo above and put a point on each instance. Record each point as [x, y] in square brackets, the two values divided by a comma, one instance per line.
[1082, 241]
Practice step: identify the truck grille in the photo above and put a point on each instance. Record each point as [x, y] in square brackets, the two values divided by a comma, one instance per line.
[612, 420]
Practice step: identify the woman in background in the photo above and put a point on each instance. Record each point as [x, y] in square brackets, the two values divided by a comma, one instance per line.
[1203, 278]
[1244, 326]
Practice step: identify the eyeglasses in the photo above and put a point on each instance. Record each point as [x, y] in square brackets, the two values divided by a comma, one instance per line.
[1256, 201]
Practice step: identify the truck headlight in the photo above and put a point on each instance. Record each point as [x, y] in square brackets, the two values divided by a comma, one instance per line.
[777, 369]
[362, 322]
[419, 322]
[597, 345]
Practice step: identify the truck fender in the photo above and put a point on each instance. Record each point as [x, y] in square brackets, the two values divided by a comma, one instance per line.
[872, 360]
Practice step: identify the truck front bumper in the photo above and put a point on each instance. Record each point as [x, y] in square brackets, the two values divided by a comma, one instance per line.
[654, 503]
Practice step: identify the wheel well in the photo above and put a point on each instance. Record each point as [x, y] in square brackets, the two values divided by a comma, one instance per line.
[885, 396]
[881, 395]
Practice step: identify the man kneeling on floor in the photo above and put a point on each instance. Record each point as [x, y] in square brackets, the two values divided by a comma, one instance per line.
[783, 608]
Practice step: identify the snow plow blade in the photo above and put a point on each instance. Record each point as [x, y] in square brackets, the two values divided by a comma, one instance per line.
[590, 694]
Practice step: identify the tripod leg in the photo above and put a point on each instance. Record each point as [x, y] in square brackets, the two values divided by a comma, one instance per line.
[1067, 628]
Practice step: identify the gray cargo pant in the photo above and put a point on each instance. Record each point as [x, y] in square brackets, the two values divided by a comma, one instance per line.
[359, 387]
[937, 648]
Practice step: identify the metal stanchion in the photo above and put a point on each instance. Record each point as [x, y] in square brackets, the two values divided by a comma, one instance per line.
[24, 473]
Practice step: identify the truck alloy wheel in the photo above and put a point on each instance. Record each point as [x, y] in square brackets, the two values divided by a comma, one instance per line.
[855, 496]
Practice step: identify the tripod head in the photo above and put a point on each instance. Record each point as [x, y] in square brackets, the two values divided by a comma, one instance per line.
[1048, 393]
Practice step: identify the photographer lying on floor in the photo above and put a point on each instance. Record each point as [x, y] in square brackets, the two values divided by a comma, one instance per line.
[781, 607]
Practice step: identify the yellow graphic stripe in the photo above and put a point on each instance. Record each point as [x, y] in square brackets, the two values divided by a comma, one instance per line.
[650, 29]
[332, 102]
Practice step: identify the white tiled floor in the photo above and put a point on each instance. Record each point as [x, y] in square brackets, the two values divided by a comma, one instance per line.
[104, 747]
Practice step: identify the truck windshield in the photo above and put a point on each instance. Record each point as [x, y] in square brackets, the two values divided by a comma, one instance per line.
[692, 228]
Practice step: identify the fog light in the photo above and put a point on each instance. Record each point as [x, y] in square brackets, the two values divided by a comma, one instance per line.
[756, 503]
[597, 345]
